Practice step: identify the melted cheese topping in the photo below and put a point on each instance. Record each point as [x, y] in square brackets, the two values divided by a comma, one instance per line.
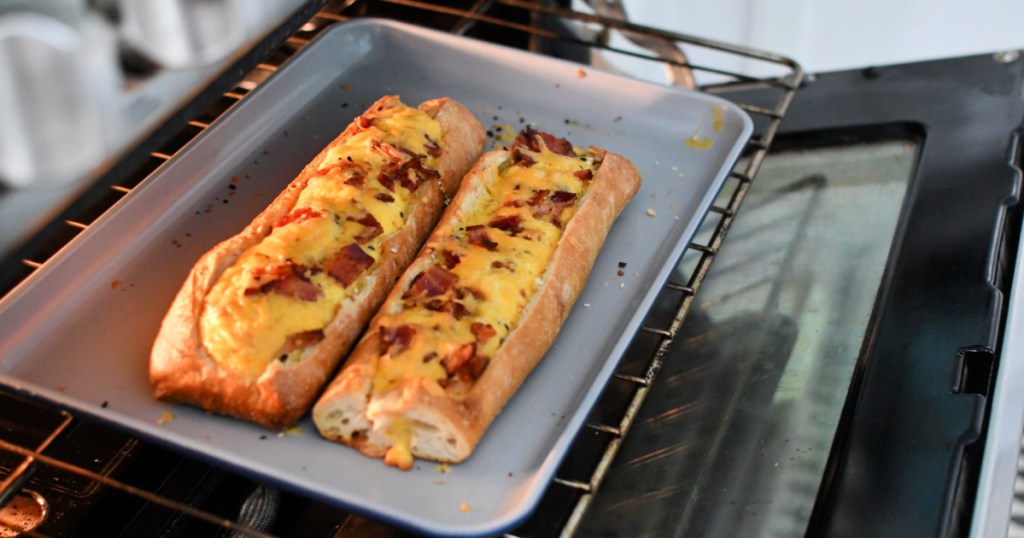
[245, 326]
[494, 282]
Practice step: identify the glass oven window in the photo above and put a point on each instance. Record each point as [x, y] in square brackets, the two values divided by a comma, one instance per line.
[734, 438]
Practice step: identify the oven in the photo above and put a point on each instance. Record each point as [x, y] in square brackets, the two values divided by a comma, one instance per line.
[835, 351]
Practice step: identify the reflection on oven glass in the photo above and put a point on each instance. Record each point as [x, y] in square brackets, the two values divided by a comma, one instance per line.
[734, 438]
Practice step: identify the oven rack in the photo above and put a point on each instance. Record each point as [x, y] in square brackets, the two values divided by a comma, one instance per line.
[581, 35]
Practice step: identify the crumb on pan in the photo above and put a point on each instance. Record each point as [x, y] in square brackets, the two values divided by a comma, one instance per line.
[294, 430]
[465, 507]
[443, 468]
[651, 212]
[165, 418]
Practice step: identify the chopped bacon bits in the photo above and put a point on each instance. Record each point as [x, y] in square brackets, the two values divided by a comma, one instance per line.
[477, 235]
[356, 179]
[473, 368]
[372, 228]
[450, 258]
[538, 197]
[286, 279]
[384, 197]
[482, 332]
[300, 340]
[529, 140]
[460, 356]
[348, 264]
[585, 174]
[456, 309]
[432, 148]
[297, 215]
[461, 293]
[512, 224]
[407, 170]
[557, 145]
[431, 283]
[386, 178]
[551, 208]
[563, 197]
[459, 310]
[394, 340]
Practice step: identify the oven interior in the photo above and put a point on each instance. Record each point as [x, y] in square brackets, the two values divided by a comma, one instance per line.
[778, 408]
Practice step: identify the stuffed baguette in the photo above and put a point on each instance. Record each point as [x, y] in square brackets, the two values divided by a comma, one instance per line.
[263, 319]
[481, 304]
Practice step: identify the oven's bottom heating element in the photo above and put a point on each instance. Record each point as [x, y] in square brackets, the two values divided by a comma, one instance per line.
[80, 477]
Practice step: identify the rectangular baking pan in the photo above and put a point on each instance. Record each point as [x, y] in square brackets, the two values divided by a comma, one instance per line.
[77, 333]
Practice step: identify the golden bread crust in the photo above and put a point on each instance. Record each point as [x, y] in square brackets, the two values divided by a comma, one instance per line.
[182, 370]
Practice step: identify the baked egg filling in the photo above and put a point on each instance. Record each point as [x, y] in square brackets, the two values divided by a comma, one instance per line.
[278, 296]
[484, 270]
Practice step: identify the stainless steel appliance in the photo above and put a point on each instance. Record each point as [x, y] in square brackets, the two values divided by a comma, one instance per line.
[834, 354]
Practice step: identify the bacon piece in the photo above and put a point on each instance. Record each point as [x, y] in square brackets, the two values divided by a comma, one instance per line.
[521, 157]
[563, 197]
[394, 153]
[527, 139]
[469, 371]
[552, 208]
[557, 145]
[585, 174]
[299, 340]
[530, 140]
[286, 279]
[459, 310]
[348, 264]
[409, 173]
[297, 215]
[450, 258]
[384, 197]
[357, 179]
[432, 282]
[422, 170]
[462, 291]
[482, 332]
[295, 287]
[385, 178]
[432, 148]
[364, 122]
[460, 356]
[477, 235]
[372, 228]
[456, 309]
[511, 224]
[395, 340]
[538, 197]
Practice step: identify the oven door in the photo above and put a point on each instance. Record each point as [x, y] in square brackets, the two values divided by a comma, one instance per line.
[835, 374]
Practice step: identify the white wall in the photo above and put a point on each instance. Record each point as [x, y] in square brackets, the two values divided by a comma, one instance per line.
[826, 35]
